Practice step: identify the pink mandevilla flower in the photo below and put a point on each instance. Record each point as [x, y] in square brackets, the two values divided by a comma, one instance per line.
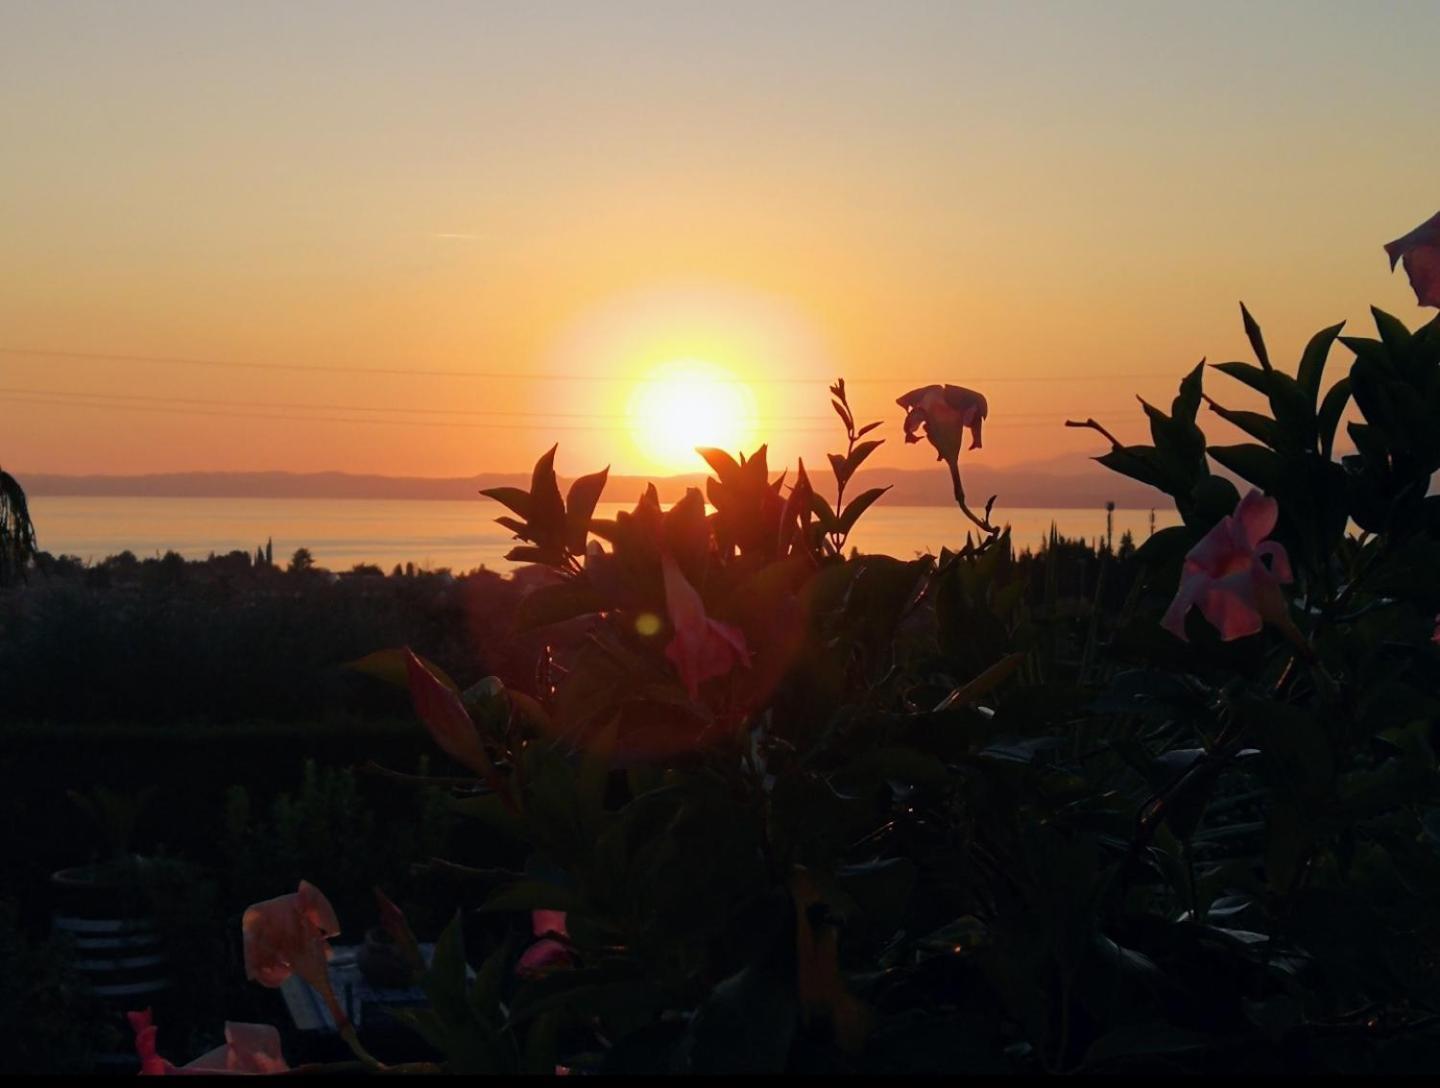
[1420, 250]
[702, 648]
[547, 952]
[289, 935]
[248, 1048]
[946, 411]
[1225, 574]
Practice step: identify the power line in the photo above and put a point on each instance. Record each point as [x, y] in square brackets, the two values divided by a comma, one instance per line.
[540, 425]
[229, 404]
[572, 376]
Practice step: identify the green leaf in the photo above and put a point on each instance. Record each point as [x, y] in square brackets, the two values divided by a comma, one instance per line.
[530, 895]
[1260, 466]
[1247, 373]
[861, 451]
[485, 991]
[1165, 545]
[580, 506]
[444, 982]
[983, 684]
[556, 603]
[1312, 362]
[547, 509]
[1294, 409]
[1328, 418]
[1252, 423]
[516, 499]
[746, 1025]
[389, 665]
[1257, 341]
[721, 462]
[821, 506]
[1393, 333]
[1139, 463]
[858, 505]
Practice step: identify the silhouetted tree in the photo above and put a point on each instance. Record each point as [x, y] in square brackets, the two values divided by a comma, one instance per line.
[17, 532]
[301, 561]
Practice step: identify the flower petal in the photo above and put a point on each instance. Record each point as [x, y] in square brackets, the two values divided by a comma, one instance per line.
[1426, 234]
[1256, 516]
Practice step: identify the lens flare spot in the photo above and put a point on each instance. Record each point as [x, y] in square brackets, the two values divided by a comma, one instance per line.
[648, 625]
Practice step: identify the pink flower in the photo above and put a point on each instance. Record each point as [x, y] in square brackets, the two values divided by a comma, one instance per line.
[248, 1048]
[445, 716]
[1420, 250]
[702, 648]
[547, 952]
[288, 935]
[1226, 576]
[946, 410]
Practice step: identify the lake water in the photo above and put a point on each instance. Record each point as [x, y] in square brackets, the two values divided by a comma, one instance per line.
[458, 535]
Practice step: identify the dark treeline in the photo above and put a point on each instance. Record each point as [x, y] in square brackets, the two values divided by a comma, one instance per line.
[235, 637]
[240, 638]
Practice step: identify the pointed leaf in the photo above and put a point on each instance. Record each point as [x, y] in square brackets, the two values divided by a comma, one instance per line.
[861, 451]
[547, 509]
[1331, 409]
[580, 506]
[557, 603]
[1312, 362]
[516, 499]
[1257, 342]
[389, 665]
[863, 431]
[1260, 466]
[822, 509]
[844, 414]
[721, 462]
[842, 470]
[858, 505]
[1252, 423]
[1248, 373]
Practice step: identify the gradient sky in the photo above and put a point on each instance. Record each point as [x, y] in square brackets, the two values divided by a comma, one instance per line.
[1057, 203]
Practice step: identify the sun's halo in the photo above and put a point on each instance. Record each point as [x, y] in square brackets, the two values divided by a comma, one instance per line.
[687, 403]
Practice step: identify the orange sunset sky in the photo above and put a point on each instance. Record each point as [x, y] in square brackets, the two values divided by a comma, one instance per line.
[436, 237]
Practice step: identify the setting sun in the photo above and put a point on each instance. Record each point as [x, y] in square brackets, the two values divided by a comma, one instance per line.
[689, 403]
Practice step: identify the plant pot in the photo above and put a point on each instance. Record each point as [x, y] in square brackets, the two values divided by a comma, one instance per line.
[117, 943]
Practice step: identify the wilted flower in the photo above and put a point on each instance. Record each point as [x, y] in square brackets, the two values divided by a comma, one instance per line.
[248, 1048]
[946, 411]
[702, 648]
[1225, 574]
[1420, 250]
[547, 952]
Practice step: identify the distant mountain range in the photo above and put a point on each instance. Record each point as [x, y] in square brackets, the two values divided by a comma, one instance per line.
[1067, 482]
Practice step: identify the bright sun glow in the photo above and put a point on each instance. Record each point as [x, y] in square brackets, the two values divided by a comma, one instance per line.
[689, 403]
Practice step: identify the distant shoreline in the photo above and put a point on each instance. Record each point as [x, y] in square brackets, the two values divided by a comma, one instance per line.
[1075, 485]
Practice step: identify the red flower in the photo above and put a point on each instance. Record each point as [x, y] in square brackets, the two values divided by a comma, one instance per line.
[1226, 576]
[702, 648]
[1420, 250]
